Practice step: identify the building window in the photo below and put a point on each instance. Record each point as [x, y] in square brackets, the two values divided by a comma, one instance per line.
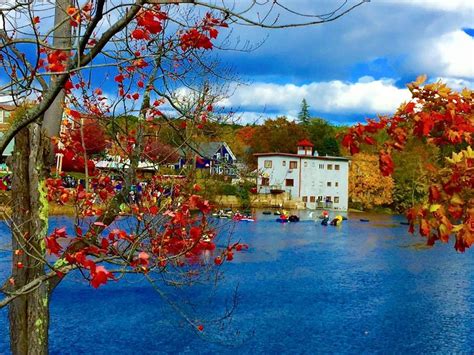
[293, 164]
[265, 181]
[305, 164]
[321, 166]
[336, 184]
[329, 184]
[226, 156]
[289, 182]
[336, 199]
[305, 198]
[320, 198]
[312, 198]
[218, 156]
[267, 163]
[320, 184]
[328, 198]
[329, 166]
[283, 163]
[336, 167]
[313, 164]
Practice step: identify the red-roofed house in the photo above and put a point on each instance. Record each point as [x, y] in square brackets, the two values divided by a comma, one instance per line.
[318, 181]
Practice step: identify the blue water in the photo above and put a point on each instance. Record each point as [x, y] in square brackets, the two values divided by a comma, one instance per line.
[302, 288]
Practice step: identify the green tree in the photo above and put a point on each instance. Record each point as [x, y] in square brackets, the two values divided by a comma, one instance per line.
[323, 136]
[304, 116]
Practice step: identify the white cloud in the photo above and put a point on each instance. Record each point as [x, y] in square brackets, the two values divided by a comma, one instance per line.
[456, 84]
[443, 5]
[365, 96]
[451, 55]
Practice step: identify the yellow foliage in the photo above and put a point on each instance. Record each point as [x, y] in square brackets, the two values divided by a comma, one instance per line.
[367, 186]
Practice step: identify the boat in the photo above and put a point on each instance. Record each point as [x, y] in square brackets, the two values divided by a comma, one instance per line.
[294, 218]
[405, 223]
[325, 221]
[277, 213]
[247, 219]
[276, 191]
[364, 220]
[282, 220]
[267, 212]
[336, 221]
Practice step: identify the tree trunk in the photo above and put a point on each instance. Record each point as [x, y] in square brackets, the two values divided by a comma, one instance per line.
[29, 313]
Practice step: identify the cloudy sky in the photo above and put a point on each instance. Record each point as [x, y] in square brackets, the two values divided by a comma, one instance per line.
[358, 65]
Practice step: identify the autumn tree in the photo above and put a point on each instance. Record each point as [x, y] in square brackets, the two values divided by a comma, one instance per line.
[368, 188]
[278, 135]
[444, 119]
[146, 51]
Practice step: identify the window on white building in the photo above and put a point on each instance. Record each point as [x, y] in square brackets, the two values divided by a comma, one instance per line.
[265, 181]
[267, 163]
[293, 164]
[320, 184]
[305, 164]
[336, 199]
[320, 198]
[313, 164]
[283, 163]
[336, 184]
[289, 182]
[336, 167]
[312, 198]
[329, 166]
[305, 198]
[321, 166]
[329, 183]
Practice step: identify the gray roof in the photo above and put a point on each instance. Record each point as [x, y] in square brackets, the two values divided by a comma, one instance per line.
[208, 150]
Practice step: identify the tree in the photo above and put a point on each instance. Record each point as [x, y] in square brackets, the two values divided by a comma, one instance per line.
[410, 176]
[304, 115]
[368, 188]
[150, 51]
[278, 135]
[439, 117]
[323, 136]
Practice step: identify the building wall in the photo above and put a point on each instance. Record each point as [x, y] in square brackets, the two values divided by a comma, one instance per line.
[311, 178]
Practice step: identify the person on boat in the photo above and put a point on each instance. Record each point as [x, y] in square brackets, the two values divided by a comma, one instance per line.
[336, 221]
[325, 221]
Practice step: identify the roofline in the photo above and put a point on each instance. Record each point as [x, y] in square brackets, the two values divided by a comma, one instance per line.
[319, 157]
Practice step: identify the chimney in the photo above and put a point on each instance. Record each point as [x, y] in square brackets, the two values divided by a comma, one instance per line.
[305, 147]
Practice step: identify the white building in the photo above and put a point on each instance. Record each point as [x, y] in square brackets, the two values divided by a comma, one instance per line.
[318, 181]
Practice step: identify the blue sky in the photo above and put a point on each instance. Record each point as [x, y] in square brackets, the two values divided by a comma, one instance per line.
[349, 69]
[357, 66]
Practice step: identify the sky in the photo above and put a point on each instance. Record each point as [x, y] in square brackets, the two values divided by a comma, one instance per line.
[357, 66]
[347, 70]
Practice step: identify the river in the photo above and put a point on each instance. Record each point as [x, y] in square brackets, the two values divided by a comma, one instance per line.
[301, 288]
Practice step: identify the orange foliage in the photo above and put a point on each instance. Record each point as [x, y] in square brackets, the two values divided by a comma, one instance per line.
[367, 186]
[441, 118]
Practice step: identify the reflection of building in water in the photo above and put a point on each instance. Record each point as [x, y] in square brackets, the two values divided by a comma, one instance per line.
[318, 181]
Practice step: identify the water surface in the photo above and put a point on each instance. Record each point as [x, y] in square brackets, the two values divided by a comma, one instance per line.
[302, 288]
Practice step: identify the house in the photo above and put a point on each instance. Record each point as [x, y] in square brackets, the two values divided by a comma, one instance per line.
[317, 181]
[217, 157]
[5, 113]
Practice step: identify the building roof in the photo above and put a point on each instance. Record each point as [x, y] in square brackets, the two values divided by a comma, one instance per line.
[305, 143]
[318, 157]
[5, 107]
[209, 149]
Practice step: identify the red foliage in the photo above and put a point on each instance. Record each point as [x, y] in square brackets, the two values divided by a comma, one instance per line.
[439, 117]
